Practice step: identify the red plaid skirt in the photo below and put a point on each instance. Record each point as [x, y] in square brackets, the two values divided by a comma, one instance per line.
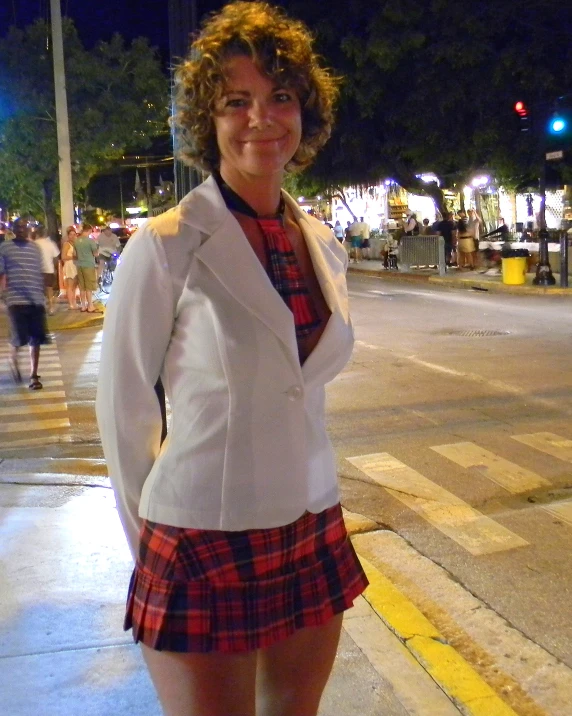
[209, 590]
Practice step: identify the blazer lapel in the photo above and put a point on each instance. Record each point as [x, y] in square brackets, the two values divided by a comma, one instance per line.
[229, 256]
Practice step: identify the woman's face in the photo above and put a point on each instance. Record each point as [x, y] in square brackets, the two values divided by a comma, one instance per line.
[72, 236]
[258, 125]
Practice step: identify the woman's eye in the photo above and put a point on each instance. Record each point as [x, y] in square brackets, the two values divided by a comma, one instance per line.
[235, 102]
[283, 97]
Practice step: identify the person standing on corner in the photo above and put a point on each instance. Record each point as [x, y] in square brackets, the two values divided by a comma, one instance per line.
[87, 251]
[243, 564]
[69, 271]
[50, 253]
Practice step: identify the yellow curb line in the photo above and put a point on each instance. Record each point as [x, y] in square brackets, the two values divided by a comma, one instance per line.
[501, 287]
[447, 667]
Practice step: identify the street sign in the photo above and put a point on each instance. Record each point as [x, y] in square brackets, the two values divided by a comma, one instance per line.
[555, 155]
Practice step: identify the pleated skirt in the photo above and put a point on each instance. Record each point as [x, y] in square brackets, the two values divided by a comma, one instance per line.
[209, 590]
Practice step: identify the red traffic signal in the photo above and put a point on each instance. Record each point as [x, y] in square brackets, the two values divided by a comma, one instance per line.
[521, 108]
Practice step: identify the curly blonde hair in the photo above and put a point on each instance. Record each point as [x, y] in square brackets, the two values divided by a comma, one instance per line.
[281, 48]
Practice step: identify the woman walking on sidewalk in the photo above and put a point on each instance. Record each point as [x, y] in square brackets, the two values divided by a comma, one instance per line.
[244, 567]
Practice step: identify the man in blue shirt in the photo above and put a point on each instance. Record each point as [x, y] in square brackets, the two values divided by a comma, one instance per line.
[22, 283]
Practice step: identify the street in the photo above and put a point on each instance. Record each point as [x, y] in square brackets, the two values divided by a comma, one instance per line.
[452, 431]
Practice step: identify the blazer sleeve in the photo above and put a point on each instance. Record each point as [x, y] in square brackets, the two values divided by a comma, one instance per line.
[137, 328]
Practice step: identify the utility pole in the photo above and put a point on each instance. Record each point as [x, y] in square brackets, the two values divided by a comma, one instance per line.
[65, 172]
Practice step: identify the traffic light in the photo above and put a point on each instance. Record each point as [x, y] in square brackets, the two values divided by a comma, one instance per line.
[558, 125]
[522, 110]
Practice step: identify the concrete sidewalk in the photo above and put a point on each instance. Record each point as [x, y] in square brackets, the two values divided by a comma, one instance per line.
[65, 570]
[455, 278]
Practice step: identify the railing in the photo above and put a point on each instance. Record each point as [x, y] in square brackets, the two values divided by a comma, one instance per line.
[422, 251]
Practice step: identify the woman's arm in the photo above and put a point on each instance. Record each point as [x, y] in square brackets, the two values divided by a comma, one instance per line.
[137, 329]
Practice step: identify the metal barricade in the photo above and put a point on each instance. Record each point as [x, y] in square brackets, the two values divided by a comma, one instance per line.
[422, 251]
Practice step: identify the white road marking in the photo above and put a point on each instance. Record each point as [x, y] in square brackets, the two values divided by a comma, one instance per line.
[507, 474]
[33, 409]
[499, 385]
[561, 510]
[549, 443]
[452, 516]
[34, 442]
[32, 425]
[34, 395]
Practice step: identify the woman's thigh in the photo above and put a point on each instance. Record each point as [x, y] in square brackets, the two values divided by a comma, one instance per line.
[210, 684]
[293, 673]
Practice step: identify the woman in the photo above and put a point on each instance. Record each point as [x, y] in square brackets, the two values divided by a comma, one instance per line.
[69, 257]
[237, 299]
[466, 247]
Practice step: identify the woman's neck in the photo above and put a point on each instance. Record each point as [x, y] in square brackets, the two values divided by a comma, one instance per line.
[261, 193]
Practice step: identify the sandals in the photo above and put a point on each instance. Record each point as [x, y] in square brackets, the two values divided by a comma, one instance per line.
[14, 371]
[35, 383]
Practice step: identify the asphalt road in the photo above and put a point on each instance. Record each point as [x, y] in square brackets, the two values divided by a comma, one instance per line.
[452, 426]
[469, 371]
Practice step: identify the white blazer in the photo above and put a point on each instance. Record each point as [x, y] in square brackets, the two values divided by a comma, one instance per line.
[247, 445]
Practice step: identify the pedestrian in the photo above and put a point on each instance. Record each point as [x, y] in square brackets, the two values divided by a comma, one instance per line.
[87, 252]
[69, 271]
[466, 249]
[355, 241]
[243, 567]
[347, 234]
[447, 229]
[365, 233]
[427, 229]
[339, 231]
[22, 282]
[411, 225]
[50, 253]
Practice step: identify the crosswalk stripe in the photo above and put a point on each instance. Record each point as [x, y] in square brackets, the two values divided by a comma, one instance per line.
[549, 443]
[33, 409]
[561, 510]
[34, 442]
[50, 373]
[34, 395]
[31, 425]
[507, 474]
[452, 516]
[6, 353]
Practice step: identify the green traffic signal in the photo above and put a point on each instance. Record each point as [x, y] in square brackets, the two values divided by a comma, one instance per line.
[558, 125]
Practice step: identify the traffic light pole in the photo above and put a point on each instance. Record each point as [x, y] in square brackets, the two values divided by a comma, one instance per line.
[544, 275]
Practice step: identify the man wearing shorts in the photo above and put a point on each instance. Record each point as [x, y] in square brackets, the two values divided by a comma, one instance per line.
[87, 250]
[22, 283]
[50, 253]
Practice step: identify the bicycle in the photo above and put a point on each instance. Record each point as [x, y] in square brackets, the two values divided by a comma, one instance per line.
[106, 278]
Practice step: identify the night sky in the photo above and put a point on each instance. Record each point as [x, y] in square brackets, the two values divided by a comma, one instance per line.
[99, 19]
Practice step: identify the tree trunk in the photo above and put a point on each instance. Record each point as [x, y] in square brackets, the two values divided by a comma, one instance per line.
[413, 184]
[49, 208]
[339, 194]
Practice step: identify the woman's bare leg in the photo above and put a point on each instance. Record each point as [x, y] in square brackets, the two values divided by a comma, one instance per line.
[293, 673]
[70, 290]
[211, 684]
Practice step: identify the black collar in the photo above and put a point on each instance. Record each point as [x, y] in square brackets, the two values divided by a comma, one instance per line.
[236, 203]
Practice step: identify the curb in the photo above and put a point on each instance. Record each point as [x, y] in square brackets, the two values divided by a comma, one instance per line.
[465, 283]
[447, 667]
[493, 287]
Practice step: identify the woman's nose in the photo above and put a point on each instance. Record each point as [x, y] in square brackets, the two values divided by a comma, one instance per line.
[260, 115]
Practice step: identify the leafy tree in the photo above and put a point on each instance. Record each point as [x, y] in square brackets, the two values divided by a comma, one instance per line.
[117, 98]
[430, 87]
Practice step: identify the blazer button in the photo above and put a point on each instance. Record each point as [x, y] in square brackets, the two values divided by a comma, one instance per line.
[294, 393]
